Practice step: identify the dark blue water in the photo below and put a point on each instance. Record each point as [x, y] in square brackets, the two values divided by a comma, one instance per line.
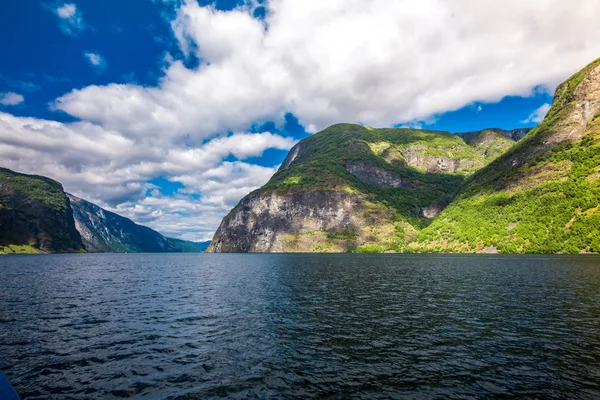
[300, 326]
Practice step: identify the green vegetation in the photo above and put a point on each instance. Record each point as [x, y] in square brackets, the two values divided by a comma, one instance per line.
[554, 205]
[321, 165]
[18, 249]
[342, 235]
[35, 215]
[33, 187]
[491, 145]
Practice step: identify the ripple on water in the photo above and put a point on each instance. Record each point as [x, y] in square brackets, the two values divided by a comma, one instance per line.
[299, 326]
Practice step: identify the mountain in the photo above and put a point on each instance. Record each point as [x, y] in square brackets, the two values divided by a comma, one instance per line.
[492, 143]
[543, 195]
[355, 187]
[104, 231]
[186, 246]
[362, 189]
[35, 216]
[515, 134]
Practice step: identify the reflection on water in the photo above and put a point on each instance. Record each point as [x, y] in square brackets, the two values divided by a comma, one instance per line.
[357, 326]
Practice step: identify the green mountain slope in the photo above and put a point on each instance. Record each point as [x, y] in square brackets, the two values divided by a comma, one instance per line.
[492, 143]
[103, 231]
[35, 215]
[352, 187]
[543, 195]
[515, 134]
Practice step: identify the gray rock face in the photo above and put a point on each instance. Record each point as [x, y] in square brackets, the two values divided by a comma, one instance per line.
[105, 232]
[431, 211]
[577, 110]
[292, 155]
[374, 175]
[264, 222]
[417, 157]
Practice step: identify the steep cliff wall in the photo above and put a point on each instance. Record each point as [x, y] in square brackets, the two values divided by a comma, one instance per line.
[104, 231]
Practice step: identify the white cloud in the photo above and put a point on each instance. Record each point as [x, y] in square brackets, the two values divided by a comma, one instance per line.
[538, 115]
[105, 167]
[96, 61]
[66, 11]
[11, 99]
[70, 19]
[377, 62]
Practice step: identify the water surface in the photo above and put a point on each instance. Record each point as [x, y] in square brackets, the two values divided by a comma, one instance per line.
[300, 326]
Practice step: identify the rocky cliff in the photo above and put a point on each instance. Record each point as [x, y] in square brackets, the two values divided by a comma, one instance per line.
[35, 215]
[104, 231]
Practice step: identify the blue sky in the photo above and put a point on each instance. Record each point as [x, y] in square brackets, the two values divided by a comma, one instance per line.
[168, 112]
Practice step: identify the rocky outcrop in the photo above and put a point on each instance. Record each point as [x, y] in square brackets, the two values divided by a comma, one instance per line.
[373, 174]
[432, 211]
[292, 155]
[418, 157]
[283, 222]
[575, 107]
[491, 144]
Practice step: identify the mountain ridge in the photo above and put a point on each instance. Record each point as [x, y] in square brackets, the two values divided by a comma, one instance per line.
[355, 188]
[103, 231]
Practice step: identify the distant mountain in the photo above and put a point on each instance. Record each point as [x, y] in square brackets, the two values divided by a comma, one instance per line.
[203, 245]
[514, 134]
[35, 215]
[104, 231]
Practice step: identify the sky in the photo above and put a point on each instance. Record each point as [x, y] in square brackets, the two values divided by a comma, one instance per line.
[168, 112]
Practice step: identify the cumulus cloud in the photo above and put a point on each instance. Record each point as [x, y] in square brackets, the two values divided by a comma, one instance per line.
[11, 99]
[105, 167]
[377, 62]
[538, 115]
[96, 61]
[70, 19]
